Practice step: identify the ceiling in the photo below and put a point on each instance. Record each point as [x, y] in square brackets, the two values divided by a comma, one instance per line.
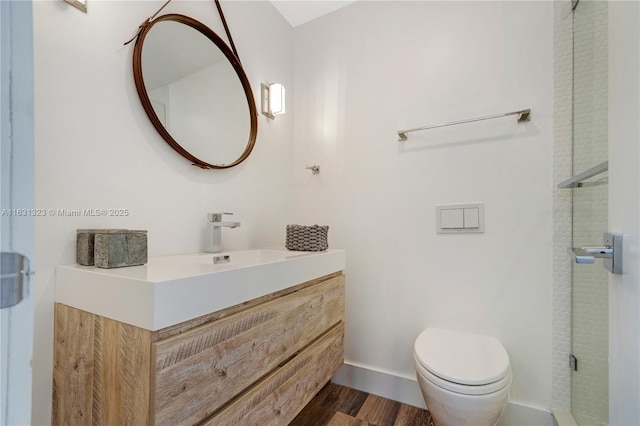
[297, 12]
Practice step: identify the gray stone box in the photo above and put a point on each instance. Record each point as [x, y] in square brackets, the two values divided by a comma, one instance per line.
[85, 244]
[118, 249]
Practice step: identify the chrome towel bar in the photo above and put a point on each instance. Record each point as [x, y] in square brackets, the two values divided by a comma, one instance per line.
[523, 115]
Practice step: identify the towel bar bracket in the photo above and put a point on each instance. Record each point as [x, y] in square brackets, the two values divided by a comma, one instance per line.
[610, 252]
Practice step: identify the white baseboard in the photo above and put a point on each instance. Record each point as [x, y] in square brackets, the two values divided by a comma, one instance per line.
[406, 390]
[563, 418]
[519, 414]
[382, 383]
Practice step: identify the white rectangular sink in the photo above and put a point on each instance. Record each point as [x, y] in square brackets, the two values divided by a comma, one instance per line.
[171, 289]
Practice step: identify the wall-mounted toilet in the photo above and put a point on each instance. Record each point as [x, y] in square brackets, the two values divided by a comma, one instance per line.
[465, 377]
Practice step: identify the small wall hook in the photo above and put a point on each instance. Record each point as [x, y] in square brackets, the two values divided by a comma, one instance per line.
[315, 169]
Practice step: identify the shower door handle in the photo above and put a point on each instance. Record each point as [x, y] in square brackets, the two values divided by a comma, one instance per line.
[14, 272]
[610, 251]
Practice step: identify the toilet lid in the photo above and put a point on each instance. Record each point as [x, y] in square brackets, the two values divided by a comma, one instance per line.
[461, 357]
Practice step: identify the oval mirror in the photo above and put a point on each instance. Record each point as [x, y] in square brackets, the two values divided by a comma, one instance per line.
[195, 92]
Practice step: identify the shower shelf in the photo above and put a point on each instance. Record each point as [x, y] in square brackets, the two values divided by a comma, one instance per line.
[576, 181]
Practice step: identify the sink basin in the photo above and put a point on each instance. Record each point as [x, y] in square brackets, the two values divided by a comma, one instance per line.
[234, 259]
[169, 290]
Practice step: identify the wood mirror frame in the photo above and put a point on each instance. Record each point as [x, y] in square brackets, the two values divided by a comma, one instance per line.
[146, 102]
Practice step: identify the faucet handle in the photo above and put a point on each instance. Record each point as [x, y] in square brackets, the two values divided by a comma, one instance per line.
[216, 217]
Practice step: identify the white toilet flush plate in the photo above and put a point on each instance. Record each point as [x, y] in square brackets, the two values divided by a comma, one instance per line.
[460, 218]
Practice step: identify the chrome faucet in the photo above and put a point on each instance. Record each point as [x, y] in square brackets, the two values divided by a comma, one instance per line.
[214, 231]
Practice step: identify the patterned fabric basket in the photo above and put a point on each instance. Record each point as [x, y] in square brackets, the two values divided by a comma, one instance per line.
[307, 238]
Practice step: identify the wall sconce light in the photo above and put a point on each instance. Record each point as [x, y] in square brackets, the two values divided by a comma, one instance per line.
[273, 99]
[79, 4]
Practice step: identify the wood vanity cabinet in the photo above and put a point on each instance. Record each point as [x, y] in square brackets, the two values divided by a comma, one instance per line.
[256, 363]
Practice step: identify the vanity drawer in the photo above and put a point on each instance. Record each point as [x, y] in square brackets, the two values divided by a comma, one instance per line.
[279, 397]
[198, 371]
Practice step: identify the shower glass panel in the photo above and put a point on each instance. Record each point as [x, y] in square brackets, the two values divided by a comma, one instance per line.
[590, 340]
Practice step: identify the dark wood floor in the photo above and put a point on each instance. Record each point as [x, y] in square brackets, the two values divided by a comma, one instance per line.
[341, 406]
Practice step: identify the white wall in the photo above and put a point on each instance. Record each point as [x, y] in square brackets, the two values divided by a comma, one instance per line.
[95, 147]
[624, 211]
[372, 68]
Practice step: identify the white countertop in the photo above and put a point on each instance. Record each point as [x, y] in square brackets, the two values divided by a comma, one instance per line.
[169, 290]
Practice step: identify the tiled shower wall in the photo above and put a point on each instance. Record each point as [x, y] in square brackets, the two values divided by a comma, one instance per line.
[583, 209]
[562, 143]
[589, 385]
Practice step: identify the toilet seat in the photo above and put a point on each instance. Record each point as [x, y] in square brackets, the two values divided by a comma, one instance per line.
[462, 362]
[464, 389]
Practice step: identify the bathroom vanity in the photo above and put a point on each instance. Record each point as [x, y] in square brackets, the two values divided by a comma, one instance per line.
[254, 361]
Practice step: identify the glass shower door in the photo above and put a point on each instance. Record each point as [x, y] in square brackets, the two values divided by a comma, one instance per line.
[590, 326]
